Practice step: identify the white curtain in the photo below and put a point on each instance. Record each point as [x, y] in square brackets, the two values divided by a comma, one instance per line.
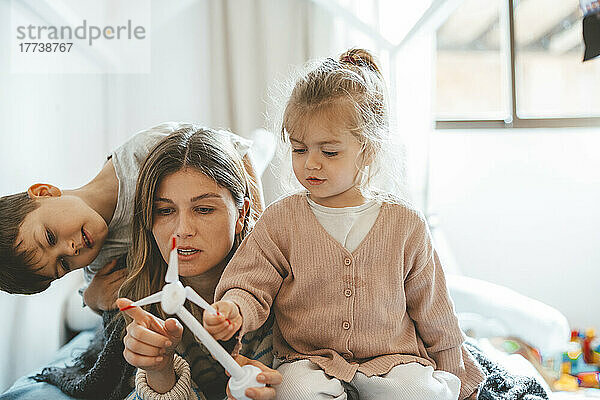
[253, 46]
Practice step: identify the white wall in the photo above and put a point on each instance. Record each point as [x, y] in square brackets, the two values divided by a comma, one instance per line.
[37, 129]
[50, 130]
[178, 87]
[521, 208]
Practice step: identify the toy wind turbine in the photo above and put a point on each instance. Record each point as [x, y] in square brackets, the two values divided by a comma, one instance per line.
[171, 299]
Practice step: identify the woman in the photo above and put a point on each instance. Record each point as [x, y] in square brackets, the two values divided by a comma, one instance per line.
[101, 371]
[195, 188]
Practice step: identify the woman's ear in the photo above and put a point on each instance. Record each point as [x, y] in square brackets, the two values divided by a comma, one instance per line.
[43, 190]
[242, 217]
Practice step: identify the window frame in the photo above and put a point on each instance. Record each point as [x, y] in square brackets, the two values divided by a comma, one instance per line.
[433, 17]
[513, 120]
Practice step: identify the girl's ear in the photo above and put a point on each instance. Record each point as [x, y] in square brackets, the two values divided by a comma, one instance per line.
[239, 225]
[43, 190]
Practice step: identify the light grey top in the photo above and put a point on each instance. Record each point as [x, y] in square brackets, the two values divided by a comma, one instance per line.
[127, 160]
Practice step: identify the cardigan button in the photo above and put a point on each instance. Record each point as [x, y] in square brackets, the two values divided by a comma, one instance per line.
[346, 325]
[347, 356]
[348, 292]
[347, 261]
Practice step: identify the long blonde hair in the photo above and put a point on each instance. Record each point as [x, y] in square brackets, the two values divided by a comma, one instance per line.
[188, 147]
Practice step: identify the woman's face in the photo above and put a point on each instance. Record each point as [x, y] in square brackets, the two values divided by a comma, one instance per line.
[201, 214]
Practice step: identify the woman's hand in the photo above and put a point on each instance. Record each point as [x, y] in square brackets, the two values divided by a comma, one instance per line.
[268, 376]
[227, 321]
[102, 291]
[150, 344]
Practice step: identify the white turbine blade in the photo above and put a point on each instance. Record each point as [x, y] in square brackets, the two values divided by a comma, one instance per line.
[195, 298]
[215, 349]
[153, 298]
[173, 268]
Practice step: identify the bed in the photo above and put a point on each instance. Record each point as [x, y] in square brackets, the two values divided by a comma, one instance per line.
[487, 310]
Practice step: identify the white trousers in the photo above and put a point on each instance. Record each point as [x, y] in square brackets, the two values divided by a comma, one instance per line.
[303, 380]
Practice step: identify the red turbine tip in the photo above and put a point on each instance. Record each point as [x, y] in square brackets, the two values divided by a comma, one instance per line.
[174, 243]
[126, 308]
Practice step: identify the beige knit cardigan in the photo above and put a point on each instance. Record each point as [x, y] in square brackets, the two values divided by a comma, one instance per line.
[384, 304]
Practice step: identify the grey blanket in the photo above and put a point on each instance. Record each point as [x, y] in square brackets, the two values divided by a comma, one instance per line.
[499, 384]
[102, 373]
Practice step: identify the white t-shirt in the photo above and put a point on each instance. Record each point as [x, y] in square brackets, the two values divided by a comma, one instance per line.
[127, 160]
[347, 225]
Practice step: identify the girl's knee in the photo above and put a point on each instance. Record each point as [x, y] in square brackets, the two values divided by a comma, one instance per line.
[414, 381]
[303, 380]
[433, 385]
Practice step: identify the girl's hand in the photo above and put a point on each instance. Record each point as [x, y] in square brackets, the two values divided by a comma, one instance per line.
[268, 376]
[227, 321]
[150, 344]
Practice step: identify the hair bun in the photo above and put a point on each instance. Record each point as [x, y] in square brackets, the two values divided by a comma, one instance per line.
[361, 58]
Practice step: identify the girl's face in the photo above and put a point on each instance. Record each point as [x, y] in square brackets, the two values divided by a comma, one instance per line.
[326, 159]
[201, 214]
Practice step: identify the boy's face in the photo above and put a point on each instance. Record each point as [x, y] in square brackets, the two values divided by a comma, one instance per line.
[64, 234]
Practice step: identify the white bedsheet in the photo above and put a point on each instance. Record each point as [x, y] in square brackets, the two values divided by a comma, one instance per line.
[582, 395]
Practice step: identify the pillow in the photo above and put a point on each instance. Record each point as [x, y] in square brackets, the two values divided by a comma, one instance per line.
[493, 310]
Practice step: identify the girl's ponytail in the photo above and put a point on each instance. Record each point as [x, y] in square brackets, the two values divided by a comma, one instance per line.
[360, 58]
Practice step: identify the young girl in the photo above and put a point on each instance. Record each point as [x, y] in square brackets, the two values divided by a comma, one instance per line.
[356, 288]
[192, 186]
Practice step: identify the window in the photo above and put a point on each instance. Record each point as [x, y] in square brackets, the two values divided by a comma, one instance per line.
[470, 72]
[514, 63]
[551, 79]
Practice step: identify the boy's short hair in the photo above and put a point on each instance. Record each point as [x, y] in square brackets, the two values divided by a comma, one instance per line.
[17, 275]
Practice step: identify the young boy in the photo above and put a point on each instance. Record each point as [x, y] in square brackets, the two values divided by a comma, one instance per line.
[46, 232]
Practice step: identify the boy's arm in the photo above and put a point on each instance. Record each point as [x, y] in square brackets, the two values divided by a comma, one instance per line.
[102, 292]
